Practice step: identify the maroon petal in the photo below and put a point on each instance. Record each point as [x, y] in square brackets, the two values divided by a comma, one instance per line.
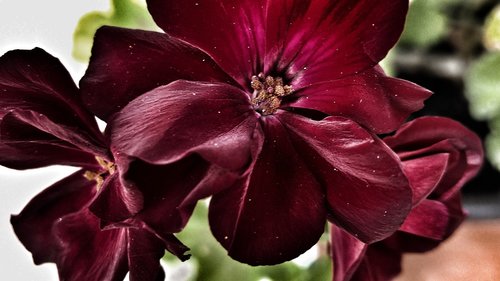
[368, 194]
[347, 254]
[434, 135]
[34, 225]
[428, 219]
[16, 124]
[424, 174]
[315, 40]
[322, 40]
[428, 225]
[126, 63]
[86, 252]
[37, 82]
[26, 155]
[171, 122]
[144, 254]
[277, 212]
[116, 201]
[169, 199]
[372, 99]
[231, 31]
[56, 226]
[379, 264]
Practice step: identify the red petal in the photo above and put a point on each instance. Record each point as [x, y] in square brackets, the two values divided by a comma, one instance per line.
[171, 122]
[434, 135]
[429, 219]
[231, 31]
[367, 192]
[372, 99]
[277, 212]
[56, 226]
[26, 155]
[322, 40]
[34, 225]
[327, 38]
[347, 253]
[424, 174]
[36, 81]
[126, 63]
[116, 202]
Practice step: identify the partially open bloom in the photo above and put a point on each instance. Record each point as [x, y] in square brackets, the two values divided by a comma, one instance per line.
[439, 156]
[43, 122]
[286, 93]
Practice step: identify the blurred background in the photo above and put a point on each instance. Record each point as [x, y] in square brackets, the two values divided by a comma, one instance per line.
[451, 47]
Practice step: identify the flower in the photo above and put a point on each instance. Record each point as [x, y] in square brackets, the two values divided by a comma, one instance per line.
[43, 122]
[286, 93]
[439, 156]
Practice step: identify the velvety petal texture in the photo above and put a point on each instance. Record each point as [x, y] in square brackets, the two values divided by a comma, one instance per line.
[277, 211]
[303, 38]
[370, 98]
[215, 121]
[126, 63]
[169, 194]
[42, 120]
[56, 226]
[439, 156]
[433, 135]
[367, 192]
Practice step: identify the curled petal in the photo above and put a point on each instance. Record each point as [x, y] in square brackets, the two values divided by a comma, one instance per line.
[56, 226]
[26, 155]
[428, 219]
[126, 63]
[434, 135]
[277, 212]
[356, 261]
[116, 202]
[367, 192]
[37, 82]
[347, 253]
[34, 225]
[370, 98]
[169, 199]
[162, 126]
[25, 127]
[428, 225]
[424, 174]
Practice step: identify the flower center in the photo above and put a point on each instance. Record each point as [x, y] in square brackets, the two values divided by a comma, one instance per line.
[268, 93]
[108, 168]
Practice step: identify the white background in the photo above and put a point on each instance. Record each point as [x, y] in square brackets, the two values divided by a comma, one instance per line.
[25, 24]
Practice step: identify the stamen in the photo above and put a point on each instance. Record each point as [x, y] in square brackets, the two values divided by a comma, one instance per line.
[109, 168]
[268, 92]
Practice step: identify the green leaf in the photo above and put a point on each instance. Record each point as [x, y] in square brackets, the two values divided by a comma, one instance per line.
[492, 143]
[482, 87]
[492, 30]
[425, 24]
[123, 13]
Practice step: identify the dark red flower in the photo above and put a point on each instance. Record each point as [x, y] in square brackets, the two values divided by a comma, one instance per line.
[439, 156]
[288, 93]
[43, 122]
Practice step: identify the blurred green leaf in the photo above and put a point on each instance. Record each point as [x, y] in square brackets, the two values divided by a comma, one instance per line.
[482, 87]
[492, 30]
[425, 24]
[123, 13]
[213, 264]
[492, 143]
